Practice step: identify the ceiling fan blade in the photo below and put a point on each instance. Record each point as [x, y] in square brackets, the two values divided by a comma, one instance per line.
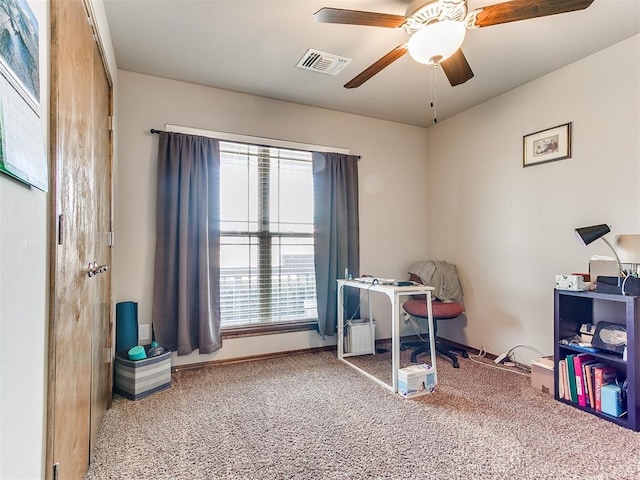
[357, 17]
[456, 68]
[376, 67]
[525, 9]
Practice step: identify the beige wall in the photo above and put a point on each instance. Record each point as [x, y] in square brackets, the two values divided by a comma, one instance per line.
[509, 228]
[392, 194]
[23, 306]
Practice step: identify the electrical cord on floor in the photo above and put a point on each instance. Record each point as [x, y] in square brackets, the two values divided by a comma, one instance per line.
[510, 354]
[524, 346]
[482, 354]
[514, 363]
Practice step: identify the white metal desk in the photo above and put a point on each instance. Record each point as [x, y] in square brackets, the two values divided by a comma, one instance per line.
[394, 293]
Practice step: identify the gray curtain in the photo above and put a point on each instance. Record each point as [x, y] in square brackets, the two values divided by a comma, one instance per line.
[186, 294]
[336, 233]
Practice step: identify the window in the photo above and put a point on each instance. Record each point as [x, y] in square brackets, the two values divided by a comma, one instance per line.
[266, 236]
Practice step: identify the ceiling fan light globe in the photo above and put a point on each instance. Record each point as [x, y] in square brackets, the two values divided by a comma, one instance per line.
[437, 41]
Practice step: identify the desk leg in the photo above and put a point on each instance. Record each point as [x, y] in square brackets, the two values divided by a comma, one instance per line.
[432, 338]
[340, 331]
[395, 342]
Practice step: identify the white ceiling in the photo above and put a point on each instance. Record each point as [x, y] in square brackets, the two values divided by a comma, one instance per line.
[253, 47]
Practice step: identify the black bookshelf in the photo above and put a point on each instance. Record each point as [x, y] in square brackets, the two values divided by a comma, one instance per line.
[571, 310]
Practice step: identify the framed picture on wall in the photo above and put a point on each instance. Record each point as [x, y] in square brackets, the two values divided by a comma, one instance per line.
[547, 145]
[22, 147]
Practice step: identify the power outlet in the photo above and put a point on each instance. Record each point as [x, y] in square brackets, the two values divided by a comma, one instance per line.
[143, 333]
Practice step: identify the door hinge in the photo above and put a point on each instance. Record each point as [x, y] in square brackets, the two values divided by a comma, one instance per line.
[110, 239]
[110, 123]
[56, 469]
[107, 355]
[60, 228]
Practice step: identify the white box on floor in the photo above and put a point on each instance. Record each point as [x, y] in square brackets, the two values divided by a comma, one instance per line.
[360, 337]
[542, 374]
[416, 380]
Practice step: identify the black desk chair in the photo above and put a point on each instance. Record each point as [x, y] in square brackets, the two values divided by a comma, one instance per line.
[441, 311]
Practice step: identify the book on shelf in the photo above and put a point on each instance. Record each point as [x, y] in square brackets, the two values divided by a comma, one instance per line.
[567, 387]
[571, 378]
[562, 378]
[579, 360]
[602, 376]
[588, 378]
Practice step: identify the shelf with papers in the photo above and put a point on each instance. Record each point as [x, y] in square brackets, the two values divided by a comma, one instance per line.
[599, 354]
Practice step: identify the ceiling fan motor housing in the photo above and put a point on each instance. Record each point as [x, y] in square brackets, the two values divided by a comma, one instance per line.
[420, 13]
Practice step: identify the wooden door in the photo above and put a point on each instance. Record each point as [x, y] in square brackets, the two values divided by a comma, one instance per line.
[101, 373]
[80, 305]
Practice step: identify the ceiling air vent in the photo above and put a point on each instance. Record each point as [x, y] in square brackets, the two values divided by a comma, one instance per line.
[323, 62]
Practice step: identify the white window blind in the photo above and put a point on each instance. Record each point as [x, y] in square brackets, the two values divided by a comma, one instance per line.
[266, 254]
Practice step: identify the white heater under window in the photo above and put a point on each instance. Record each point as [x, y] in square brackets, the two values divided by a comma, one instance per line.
[360, 337]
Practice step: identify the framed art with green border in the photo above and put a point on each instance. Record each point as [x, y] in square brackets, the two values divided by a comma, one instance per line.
[22, 147]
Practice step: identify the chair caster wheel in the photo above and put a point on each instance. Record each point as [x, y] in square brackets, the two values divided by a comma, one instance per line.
[456, 365]
[465, 355]
[404, 348]
[414, 359]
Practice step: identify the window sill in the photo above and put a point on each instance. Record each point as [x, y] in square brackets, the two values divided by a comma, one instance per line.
[271, 329]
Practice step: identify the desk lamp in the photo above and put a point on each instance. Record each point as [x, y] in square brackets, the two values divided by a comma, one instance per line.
[629, 248]
[594, 232]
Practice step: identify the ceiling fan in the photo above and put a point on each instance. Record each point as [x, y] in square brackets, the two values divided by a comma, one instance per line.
[437, 29]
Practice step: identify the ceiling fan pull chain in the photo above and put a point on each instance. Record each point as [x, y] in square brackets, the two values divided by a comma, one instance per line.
[434, 92]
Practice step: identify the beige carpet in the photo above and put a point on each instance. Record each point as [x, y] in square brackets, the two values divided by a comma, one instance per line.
[309, 416]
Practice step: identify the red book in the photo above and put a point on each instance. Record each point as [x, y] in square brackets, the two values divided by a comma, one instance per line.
[602, 376]
[578, 360]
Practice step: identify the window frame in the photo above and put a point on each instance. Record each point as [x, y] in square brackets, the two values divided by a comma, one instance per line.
[264, 238]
